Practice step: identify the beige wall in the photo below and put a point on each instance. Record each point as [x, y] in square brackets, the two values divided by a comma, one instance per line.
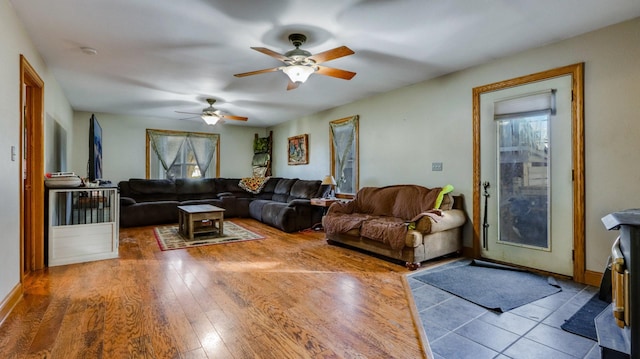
[402, 132]
[123, 144]
[13, 42]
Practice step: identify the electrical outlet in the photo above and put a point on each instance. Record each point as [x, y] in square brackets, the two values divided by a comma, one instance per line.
[436, 166]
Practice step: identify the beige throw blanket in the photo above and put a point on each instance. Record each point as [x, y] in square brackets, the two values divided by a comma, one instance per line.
[253, 184]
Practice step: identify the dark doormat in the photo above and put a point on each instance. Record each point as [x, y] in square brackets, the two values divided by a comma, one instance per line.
[582, 322]
[493, 286]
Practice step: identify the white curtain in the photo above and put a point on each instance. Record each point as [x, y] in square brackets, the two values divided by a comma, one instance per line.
[204, 147]
[167, 146]
[344, 135]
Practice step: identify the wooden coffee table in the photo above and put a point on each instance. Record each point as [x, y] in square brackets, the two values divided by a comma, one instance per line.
[200, 218]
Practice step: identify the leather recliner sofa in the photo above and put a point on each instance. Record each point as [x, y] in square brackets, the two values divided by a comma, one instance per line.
[282, 202]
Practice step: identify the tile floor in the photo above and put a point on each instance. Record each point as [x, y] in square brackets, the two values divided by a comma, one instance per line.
[458, 329]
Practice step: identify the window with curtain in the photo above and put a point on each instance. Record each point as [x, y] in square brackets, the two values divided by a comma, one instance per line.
[177, 154]
[343, 136]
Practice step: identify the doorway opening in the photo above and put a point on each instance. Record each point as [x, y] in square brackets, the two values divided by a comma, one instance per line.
[576, 72]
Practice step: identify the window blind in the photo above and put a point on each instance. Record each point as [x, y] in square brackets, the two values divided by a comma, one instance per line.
[528, 105]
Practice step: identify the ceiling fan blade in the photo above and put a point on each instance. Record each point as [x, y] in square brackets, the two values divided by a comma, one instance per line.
[341, 74]
[187, 118]
[189, 113]
[257, 72]
[238, 118]
[331, 54]
[292, 85]
[271, 53]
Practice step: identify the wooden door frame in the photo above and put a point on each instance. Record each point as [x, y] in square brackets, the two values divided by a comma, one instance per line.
[31, 237]
[577, 158]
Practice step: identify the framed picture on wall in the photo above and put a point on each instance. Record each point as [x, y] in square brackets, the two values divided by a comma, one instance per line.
[298, 150]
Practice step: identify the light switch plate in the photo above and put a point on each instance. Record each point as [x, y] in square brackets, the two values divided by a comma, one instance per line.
[436, 166]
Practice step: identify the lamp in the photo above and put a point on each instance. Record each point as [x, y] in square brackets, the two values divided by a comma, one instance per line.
[298, 73]
[210, 118]
[329, 181]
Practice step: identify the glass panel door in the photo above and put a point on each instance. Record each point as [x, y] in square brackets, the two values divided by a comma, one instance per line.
[526, 159]
[523, 174]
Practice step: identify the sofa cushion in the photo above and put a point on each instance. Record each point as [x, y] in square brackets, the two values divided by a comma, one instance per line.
[228, 185]
[196, 185]
[269, 188]
[127, 201]
[336, 222]
[255, 208]
[388, 230]
[152, 186]
[304, 189]
[149, 213]
[144, 190]
[447, 202]
[282, 189]
[275, 214]
[231, 185]
[195, 188]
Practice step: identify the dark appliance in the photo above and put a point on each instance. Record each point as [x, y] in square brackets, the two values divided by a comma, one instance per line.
[617, 326]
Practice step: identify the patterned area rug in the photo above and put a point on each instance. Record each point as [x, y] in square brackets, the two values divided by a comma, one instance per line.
[169, 238]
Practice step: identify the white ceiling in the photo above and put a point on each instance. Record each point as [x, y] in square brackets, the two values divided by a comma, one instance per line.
[158, 56]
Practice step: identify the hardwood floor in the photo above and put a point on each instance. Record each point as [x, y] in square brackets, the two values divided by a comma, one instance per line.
[286, 296]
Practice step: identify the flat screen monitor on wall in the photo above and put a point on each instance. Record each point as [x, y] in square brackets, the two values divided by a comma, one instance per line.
[95, 149]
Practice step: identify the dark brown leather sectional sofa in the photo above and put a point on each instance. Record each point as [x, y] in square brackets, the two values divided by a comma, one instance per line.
[282, 203]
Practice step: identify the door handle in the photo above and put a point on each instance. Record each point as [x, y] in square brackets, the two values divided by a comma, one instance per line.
[485, 222]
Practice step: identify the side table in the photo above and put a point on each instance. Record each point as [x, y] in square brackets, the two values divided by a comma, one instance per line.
[325, 203]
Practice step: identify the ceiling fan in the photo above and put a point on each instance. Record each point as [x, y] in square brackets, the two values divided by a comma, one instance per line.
[300, 64]
[211, 115]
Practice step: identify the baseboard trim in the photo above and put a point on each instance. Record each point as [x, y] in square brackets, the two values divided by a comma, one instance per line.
[592, 278]
[10, 302]
[467, 252]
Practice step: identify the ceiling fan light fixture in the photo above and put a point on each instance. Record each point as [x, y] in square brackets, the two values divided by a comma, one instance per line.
[298, 73]
[210, 119]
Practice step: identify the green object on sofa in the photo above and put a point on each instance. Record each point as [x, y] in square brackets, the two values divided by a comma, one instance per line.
[446, 189]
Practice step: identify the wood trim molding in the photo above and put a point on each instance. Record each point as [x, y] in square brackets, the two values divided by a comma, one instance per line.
[592, 278]
[32, 97]
[10, 302]
[468, 252]
[422, 335]
[577, 122]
